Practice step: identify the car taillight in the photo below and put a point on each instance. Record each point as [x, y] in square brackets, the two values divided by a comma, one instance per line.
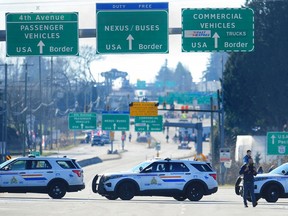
[214, 176]
[77, 172]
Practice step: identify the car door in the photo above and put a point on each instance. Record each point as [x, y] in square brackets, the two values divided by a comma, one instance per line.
[175, 175]
[38, 173]
[151, 176]
[11, 174]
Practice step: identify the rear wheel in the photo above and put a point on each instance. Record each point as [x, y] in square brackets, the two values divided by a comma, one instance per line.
[272, 193]
[180, 198]
[111, 197]
[126, 191]
[195, 192]
[57, 190]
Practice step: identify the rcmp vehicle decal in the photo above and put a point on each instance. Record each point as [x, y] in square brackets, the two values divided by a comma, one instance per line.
[172, 179]
[33, 177]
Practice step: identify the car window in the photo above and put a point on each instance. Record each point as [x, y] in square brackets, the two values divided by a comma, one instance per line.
[177, 167]
[38, 164]
[17, 165]
[66, 164]
[202, 167]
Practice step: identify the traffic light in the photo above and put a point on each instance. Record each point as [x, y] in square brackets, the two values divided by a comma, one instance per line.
[164, 105]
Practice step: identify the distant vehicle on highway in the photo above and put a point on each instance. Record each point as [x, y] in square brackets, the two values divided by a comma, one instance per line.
[180, 179]
[105, 139]
[184, 145]
[142, 139]
[97, 140]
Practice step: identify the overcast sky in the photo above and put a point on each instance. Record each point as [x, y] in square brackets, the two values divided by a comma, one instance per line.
[141, 66]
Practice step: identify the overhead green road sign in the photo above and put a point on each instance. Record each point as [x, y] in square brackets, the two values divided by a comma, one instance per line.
[277, 143]
[82, 121]
[132, 28]
[149, 123]
[41, 34]
[115, 122]
[218, 29]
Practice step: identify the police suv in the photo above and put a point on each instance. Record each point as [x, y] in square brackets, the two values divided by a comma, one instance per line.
[52, 175]
[179, 179]
[269, 186]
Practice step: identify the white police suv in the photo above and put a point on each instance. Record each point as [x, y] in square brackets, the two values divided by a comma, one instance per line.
[52, 175]
[269, 186]
[179, 179]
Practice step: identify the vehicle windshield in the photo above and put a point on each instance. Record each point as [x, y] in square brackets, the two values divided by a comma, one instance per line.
[140, 167]
[280, 169]
[5, 163]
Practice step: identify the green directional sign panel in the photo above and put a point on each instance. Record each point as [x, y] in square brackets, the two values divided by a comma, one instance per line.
[82, 121]
[132, 28]
[115, 122]
[218, 29]
[149, 123]
[277, 143]
[41, 34]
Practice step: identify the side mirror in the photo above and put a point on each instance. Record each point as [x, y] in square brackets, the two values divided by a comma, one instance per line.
[283, 172]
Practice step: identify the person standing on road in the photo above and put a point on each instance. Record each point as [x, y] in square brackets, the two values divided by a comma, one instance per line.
[167, 138]
[248, 171]
[246, 157]
[130, 137]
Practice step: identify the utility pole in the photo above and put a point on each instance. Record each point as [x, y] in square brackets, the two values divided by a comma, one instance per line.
[25, 130]
[3, 149]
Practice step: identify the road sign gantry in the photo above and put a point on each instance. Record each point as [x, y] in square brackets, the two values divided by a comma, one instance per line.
[132, 27]
[42, 34]
[217, 29]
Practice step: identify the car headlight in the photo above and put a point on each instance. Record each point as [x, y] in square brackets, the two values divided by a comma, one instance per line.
[107, 178]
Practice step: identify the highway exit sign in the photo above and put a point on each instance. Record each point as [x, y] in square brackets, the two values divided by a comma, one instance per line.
[132, 28]
[82, 121]
[277, 143]
[149, 123]
[42, 34]
[218, 29]
[115, 122]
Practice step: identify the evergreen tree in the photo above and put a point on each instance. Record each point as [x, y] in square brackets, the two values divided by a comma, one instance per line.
[255, 83]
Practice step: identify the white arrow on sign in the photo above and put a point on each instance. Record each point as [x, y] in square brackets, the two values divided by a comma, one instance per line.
[273, 138]
[41, 45]
[147, 127]
[216, 36]
[82, 126]
[114, 125]
[130, 39]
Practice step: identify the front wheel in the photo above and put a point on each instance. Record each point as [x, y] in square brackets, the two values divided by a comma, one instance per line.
[272, 194]
[57, 190]
[126, 191]
[195, 192]
[94, 184]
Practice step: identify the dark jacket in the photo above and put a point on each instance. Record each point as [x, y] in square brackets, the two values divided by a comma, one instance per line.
[249, 174]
